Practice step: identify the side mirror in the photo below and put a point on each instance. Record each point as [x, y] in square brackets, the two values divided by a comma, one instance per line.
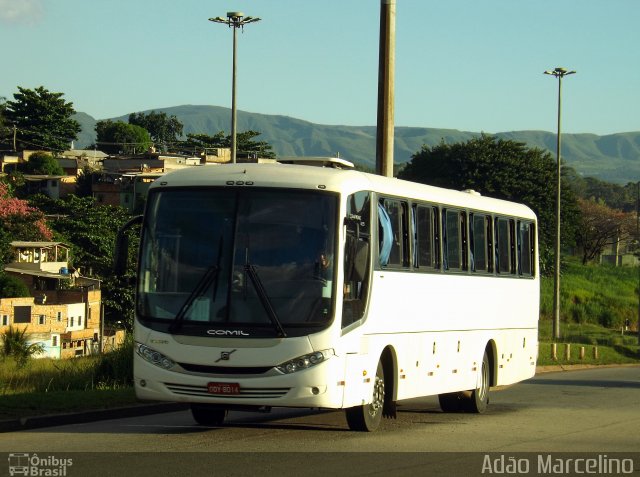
[121, 252]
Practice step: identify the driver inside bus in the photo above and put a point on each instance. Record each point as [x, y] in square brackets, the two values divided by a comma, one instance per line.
[322, 269]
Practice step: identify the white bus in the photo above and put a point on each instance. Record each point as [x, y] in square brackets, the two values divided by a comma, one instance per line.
[283, 285]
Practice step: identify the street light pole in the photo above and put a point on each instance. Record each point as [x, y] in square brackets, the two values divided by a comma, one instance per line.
[558, 73]
[638, 252]
[234, 20]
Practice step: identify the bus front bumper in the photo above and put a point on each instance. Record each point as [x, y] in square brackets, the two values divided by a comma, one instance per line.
[321, 386]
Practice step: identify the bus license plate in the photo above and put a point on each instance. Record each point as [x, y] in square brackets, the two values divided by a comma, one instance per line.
[223, 388]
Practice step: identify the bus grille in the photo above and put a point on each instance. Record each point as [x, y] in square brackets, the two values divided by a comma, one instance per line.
[201, 368]
[251, 393]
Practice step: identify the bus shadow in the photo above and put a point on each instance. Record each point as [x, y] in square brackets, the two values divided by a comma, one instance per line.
[182, 423]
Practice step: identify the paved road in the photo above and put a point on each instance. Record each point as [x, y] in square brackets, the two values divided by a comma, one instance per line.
[588, 411]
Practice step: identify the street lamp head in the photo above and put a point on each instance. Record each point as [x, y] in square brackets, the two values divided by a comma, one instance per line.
[559, 72]
[235, 19]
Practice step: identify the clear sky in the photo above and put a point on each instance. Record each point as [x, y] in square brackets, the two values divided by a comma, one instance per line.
[473, 65]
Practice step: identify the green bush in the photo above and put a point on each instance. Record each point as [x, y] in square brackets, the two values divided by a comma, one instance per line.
[15, 345]
[12, 287]
[115, 368]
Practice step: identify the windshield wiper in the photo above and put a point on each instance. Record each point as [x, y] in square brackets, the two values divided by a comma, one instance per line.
[264, 298]
[215, 285]
[209, 275]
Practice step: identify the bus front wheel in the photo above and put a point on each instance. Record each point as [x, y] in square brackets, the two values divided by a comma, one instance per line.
[207, 415]
[367, 417]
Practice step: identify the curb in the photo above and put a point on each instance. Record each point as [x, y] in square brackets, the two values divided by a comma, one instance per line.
[555, 368]
[34, 422]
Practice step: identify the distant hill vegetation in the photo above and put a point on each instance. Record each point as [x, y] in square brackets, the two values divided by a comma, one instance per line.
[612, 158]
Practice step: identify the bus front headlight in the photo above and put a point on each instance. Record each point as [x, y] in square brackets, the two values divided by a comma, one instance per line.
[153, 356]
[305, 361]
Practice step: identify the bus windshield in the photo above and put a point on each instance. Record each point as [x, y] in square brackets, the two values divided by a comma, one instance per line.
[258, 260]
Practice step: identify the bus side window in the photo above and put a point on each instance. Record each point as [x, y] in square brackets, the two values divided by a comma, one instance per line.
[427, 253]
[454, 240]
[512, 246]
[478, 235]
[464, 240]
[397, 217]
[385, 233]
[525, 249]
[505, 246]
[357, 251]
[489, 249]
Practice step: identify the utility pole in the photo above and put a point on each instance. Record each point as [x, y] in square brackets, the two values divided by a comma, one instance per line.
[234, 20]
[386, 86]
[638, 253]
[558, 73]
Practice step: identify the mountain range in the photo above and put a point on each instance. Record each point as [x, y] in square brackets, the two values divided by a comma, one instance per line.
[612, 158]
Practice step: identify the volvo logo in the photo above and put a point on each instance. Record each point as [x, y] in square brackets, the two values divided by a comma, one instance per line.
[225, 355]
[227, 333]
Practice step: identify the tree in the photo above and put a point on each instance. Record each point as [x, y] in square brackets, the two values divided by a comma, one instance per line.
[503, 169]
[119, 137]
[5, 130]
[84, 181]
[41, 163]
[90, 231]
[198, 143]
[246, 143]
[18, 221]
[42, 118]
[163, 129]
[612, 195]
[600, 227]
[12, 287]
[15, 344]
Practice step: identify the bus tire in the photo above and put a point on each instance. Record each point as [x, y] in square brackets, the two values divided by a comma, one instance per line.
[480, 396]
[367, 418]
[207, 415]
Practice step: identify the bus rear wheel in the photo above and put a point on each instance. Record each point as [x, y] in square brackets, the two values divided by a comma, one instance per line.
[367, 417]
[475, 400]
[208, 415]
[480, 396]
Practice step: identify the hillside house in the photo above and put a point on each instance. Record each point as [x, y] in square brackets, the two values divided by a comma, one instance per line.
[83, 157]
[64, 311]
[52, 186]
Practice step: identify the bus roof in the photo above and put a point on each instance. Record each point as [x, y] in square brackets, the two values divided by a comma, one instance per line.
[331, 179]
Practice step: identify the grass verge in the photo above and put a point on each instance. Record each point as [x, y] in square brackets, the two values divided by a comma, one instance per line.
[48, 386]
[613, 347]
[59, 402]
